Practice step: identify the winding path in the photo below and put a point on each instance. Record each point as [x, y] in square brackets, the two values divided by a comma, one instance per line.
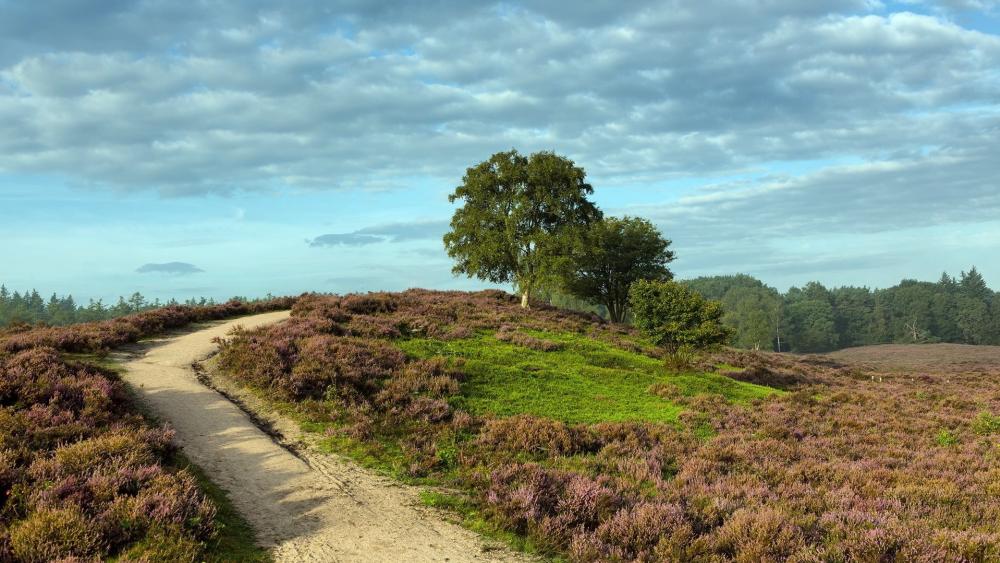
[309, 508]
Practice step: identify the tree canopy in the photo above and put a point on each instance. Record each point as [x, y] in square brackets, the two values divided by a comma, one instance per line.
[617, 252]
[30, 307]
[520, 219]
[815, 318]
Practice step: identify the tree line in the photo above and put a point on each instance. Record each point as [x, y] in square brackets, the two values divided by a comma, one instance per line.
[31, 308]
[528, 220]
[815, 318]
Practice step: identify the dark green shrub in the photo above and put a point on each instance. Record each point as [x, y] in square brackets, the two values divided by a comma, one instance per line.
[674, 316]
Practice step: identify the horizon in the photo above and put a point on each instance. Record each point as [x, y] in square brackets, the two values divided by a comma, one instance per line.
[109, 300]
[186, 151]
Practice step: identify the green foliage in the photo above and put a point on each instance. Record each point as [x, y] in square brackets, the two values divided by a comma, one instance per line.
[811, 325]
[30, 308]
[817, 319]
[520, 218]
[752, 309]
[673, 315]
[945, 438]
[618, 252]
[986, 424]
[585, 380]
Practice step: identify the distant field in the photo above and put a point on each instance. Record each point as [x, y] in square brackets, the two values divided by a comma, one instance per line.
[924, 357]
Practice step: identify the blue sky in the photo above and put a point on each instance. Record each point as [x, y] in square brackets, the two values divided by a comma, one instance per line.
[286, 149]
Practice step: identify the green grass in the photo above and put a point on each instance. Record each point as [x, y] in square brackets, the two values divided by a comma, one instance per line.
[585, 381]
[470, 517]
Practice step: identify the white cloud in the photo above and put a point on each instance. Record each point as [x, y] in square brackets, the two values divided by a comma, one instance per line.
[251, 96]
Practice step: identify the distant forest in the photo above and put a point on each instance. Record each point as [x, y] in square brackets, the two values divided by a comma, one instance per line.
[815, 318]
[812, 318]
[819, 319]
[31, 308]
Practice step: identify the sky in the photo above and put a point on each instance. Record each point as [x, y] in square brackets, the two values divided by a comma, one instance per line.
[221, 148]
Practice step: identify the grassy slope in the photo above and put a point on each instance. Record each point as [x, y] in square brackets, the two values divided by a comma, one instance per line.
[584, 381]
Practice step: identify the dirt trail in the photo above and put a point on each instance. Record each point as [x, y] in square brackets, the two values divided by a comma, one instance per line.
[309, 508]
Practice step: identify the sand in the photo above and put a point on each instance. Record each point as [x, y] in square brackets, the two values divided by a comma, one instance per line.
[305, 506]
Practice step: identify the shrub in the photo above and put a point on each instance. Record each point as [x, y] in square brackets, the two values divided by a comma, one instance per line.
[54, 533]
[370, 303]
[527, 434]
[642, 532]
[759, 534]
[674, 316]
[351, 368]
[682, 359]
[508, 333]
[986, 424]
[945, 438]
[165, 545]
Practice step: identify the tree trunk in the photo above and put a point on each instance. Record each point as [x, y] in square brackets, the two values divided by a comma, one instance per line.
[614, 312]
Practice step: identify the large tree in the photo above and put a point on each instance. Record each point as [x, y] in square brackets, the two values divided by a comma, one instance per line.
[520, 218]
[617, 252]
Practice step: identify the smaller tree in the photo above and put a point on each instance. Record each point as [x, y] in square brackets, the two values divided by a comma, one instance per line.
[675, 316]
[615, 253]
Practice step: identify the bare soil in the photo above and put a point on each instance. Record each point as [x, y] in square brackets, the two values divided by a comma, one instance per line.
[306, 506]
[927, 358]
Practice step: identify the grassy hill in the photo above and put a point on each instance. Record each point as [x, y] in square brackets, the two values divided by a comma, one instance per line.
[568, 435]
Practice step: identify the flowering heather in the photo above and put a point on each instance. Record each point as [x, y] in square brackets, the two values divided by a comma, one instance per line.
[850, 462]
[82, 475]
[104, 335]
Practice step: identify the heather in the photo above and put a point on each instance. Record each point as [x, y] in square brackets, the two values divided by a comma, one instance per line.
[105, 335]
[569, 435]
[83, 474]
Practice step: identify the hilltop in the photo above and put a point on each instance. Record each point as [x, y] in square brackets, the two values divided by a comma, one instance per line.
[568, 436]
[555, 431]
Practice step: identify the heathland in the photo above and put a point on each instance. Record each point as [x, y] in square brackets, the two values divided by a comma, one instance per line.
[563, 434]
[570, 437]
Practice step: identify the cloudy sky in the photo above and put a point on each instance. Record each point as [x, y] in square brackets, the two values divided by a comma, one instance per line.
[218, 148]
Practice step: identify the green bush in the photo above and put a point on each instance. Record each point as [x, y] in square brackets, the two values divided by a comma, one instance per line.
[674, 316]
[684, 358]
[945, 438]
[50, 534]
[986, 424]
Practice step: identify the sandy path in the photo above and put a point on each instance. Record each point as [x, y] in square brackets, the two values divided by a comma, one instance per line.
[313, 508]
